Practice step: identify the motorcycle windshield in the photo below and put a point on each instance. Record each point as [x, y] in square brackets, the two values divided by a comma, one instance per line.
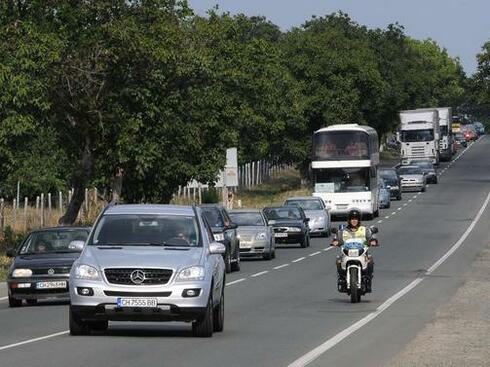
[354, 245]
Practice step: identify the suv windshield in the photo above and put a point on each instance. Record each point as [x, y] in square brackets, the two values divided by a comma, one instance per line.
[53, 241]
[306, 204]
[146, 230]
[247, 219]
[282, 213]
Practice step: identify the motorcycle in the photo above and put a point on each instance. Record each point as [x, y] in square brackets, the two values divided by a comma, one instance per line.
[353, 262]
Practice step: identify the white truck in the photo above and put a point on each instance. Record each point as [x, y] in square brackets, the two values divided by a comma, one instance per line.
[419, 135]
[445, 125]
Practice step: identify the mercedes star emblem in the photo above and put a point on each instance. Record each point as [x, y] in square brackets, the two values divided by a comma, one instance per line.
[51, 271]
[137, 276]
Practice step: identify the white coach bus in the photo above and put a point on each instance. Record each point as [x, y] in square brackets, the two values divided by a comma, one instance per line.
[344, 165]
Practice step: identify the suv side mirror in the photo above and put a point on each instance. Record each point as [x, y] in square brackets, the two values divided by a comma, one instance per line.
[217, 248]
[11, 252]
[373, 229]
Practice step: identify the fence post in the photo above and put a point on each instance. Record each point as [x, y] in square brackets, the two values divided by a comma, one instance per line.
[42, 210]
[26, 204]
[14, 208]
[49, 202]
[86, 200]
[2, 218]
[96, 197]
[60, 202]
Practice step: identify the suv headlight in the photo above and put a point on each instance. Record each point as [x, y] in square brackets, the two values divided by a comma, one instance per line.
[21, 273]
[86, 272]
[261, 236]
[219, 237]
[191, 273]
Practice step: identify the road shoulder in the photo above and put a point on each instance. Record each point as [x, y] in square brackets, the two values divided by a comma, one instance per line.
[458, 335]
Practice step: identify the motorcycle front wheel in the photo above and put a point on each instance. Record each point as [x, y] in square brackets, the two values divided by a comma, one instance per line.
[355, 293]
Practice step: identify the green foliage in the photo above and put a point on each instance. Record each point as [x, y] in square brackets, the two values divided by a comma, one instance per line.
[10, 239]
[210, 196]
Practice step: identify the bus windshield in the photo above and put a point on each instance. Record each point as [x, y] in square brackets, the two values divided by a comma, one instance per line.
[333, 180]
[409, 136]
[340, 145]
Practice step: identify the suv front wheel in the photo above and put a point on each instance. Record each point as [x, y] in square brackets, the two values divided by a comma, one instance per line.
[203, 328]
[77, 325]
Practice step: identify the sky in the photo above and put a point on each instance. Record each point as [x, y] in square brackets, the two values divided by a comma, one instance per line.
[460, 26]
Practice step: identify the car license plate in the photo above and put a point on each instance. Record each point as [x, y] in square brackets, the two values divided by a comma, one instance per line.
[245, 245]
[51, 285]
[137, 302]
[280, 235]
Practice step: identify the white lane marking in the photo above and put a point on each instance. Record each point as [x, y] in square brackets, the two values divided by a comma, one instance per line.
[297, 260]
[280, 266]
[3, 298]
[327, 249]
[236, 281]
[387, 217]
[330, 343]
[259, 274]
[414, 197]
[315, 253]
[380, 221]
[34, 340]
[399, 208]
[462, 239]
[405, 204]
[393, 213]
[410, 200]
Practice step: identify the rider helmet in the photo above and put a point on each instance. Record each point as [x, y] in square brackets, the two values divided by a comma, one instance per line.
[354, 214]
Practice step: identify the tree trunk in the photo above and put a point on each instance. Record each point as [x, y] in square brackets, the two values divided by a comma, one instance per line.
[81, 178]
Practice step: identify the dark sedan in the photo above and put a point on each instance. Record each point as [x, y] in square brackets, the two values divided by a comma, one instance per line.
[393, 181]
[42, 264]
[290, 225]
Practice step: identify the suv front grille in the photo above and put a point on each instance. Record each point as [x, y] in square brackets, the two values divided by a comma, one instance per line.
[151, 276]
[51, 271]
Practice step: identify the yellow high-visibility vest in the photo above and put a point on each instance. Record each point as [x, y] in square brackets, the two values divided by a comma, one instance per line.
[360, 234]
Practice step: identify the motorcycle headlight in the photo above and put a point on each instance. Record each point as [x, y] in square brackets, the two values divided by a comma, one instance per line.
[21, 273]
[261, 236]
[86, 272]
[294, 229]
[191, 273]
[219, 237]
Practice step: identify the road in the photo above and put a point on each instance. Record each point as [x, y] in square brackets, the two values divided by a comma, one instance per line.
[287, 312]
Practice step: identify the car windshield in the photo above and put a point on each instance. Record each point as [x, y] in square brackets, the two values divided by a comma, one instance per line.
[306, 204]
[214, 217]
[54, 241]
[282, 213]
[410, 171]
[247, 219]
[146, 230]
[417, 135]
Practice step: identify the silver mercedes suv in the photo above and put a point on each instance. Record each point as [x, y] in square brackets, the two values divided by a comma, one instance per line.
[149, 263]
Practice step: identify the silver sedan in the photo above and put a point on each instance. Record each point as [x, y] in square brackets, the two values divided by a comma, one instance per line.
[316, 211]
[256, 237]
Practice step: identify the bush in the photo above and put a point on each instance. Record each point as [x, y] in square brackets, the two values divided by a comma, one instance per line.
[10, 239]
[210, 196]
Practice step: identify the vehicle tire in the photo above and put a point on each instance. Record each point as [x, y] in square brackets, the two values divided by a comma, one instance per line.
[355, 296]
[304, 243]
[399, 196]
[267, 256]
[219, 314]
[235, 266]
[203, 328]
[309, 239]
[14, 302]
[31, 302]
[77, 325]
[227, 261]
[99, 325]
[423, 189]
[376, 213]
[274, 254]
[389, 205]
[436, 180]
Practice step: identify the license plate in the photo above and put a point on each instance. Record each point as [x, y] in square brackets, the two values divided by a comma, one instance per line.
[137, 302]
[280, 235]
[51, 285]
[245, 245]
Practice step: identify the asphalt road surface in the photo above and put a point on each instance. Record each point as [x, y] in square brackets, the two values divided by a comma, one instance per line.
[287, 312]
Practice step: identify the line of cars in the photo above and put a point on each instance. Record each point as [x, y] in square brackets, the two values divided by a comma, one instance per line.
[154, 262]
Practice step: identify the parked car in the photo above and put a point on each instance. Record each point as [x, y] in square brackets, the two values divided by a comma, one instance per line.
[42, 263]
[393, 181]
[149, 263]
[460, 140]
[256, 237]
[316, 211]
[412, 178]
[384, 194]
[427, 168]
[224, 231]
[290, 224]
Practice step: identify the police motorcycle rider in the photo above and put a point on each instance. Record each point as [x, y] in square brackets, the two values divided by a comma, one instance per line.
[354, 230]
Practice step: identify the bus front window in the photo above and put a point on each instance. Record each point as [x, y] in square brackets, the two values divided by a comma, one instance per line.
[342, 180]
[337, 145]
